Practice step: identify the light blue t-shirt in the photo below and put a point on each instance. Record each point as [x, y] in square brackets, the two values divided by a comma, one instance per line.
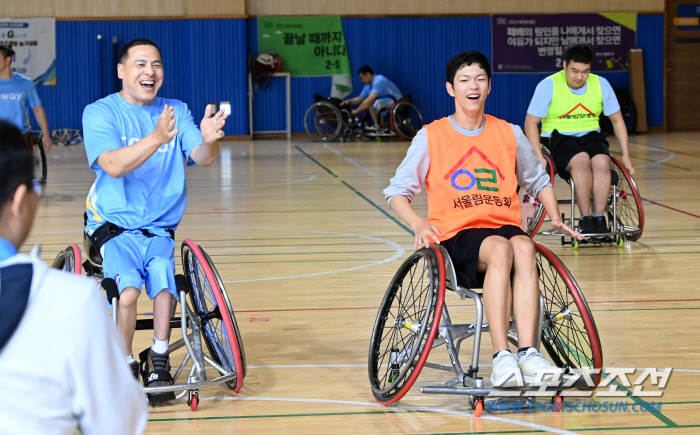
[539, 105]
[16, 94]
[382, 86]
[7, 250]
[153, 196]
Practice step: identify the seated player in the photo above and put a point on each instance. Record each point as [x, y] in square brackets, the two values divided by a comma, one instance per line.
[136, 143]
[569, 104]
[376, 95]
[471, 164]
[61, 362]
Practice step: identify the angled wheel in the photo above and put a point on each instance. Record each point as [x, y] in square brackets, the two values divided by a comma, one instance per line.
[39, 161]
[406, 325]
[323, 121]
[630, 211]
[531, 209]
[569, 333]
[209, 303]
[406, 120]
[69, 260]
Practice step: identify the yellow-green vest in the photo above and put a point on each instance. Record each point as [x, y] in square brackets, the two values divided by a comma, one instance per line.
[570, 112]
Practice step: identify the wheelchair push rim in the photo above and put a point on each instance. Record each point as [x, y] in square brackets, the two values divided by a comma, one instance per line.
[69, 260]
[323, 122]
[207, 298]
[629, 216]
[569, 332]
[406, 325]
[406, 120]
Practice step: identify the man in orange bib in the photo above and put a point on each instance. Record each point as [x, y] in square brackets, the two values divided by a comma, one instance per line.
[471, 164]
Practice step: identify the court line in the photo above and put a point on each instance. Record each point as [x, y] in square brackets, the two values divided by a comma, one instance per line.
[667, 421]
[316, 161]
[671, 208]
[351, 161]
[656, 162]
[402, 407]
[312, 366]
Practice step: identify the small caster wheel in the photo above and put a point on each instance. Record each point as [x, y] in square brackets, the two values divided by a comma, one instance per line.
[193, 400]
[574, 244]
[621, 242]
[557, 403]
[478, 408]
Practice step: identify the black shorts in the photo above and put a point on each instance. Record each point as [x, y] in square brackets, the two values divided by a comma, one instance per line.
[566, 147]
[464, 250]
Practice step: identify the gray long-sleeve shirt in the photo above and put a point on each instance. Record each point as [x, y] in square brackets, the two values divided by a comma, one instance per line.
[411, 174]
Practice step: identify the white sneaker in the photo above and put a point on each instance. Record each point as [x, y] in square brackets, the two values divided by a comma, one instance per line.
[533, 362]
[505, 371]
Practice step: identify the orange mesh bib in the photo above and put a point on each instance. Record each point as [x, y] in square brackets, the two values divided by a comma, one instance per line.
[471, 182]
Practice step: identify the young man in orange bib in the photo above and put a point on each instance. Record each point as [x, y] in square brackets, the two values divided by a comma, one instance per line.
[471, 164]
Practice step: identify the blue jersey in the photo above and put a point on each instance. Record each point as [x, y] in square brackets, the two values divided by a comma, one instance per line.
[542, 98]
[16, 94]
[382, 86]
[153, 196]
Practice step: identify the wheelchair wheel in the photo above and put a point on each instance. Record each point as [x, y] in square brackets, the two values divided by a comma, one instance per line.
[39, 161]
[323, 121]
[69, 260]
[406, 120]
[406, 325]
[630, 211]
[569, 333]
[209, 303]
[531, 209]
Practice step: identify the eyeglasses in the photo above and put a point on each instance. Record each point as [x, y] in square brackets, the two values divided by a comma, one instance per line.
[38, 187]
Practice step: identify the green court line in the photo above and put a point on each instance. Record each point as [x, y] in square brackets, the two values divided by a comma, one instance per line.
[378, 208]
[667, 421]
[587, 429]
[322, 414]
[651, 309]
[316, 161]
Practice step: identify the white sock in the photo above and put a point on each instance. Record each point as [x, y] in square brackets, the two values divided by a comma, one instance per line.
[159, 346]
[130, 358]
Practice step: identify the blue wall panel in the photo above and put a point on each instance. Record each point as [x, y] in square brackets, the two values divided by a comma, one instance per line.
[202, 63]
[205, 62]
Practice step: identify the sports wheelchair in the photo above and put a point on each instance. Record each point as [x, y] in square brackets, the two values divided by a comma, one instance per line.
[327, 120]
[34, 141]
[409, 326]
[208, 316]
[625, 212]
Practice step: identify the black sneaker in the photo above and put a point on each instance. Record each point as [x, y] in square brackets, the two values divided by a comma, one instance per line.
[135, 369]
[155, 372]
[601, 227]
[587, 225]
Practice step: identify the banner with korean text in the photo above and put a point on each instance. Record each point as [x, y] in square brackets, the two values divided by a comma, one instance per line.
[34, 43]
[536, 43]
[309, 46]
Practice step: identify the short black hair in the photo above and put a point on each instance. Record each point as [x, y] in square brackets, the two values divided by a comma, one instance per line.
[16, 162]
[364, 69]
[465, 59]
[6, 51]
[124, 52]
[580, 53]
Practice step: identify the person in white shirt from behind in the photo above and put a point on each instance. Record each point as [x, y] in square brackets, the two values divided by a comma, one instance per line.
[61, 363]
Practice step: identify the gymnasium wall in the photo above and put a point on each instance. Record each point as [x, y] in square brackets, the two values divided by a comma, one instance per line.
[121, 8]
[205, 62]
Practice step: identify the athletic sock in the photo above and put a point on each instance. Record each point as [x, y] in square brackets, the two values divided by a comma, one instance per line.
[130, 358]
[159, 346]
[496, 354]
[523, 350]
[597, 214]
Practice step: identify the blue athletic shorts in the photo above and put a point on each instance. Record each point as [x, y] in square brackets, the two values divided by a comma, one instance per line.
[132, 259]
[379, 103]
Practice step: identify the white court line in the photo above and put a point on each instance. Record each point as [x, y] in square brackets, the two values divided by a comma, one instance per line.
[351, 161]
[671, 154]
[310, 250]
[303, 366]
[393, 407]
[688, 140]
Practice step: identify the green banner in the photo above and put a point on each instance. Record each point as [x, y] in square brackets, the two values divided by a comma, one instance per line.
[308, 46]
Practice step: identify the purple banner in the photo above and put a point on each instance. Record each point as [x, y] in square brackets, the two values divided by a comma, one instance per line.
[536, 43]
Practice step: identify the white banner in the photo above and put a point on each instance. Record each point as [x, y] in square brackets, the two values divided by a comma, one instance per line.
[34, 43]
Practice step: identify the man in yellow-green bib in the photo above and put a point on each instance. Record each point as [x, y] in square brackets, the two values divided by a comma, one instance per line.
[569, 104]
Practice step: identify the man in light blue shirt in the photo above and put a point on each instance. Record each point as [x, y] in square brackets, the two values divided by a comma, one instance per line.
[17, 92]
[569, 104]
[137, 142]
[379, 92]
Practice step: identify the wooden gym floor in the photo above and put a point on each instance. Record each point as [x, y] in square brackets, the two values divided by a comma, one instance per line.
[306, 246]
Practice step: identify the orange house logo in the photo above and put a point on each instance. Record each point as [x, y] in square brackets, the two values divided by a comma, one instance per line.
[480, 183]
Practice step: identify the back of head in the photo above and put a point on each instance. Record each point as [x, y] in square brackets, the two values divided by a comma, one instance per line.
[579, 53]
[465, 59]
[364, 69]
[6, 51]
[124, 52]
[16, 162]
